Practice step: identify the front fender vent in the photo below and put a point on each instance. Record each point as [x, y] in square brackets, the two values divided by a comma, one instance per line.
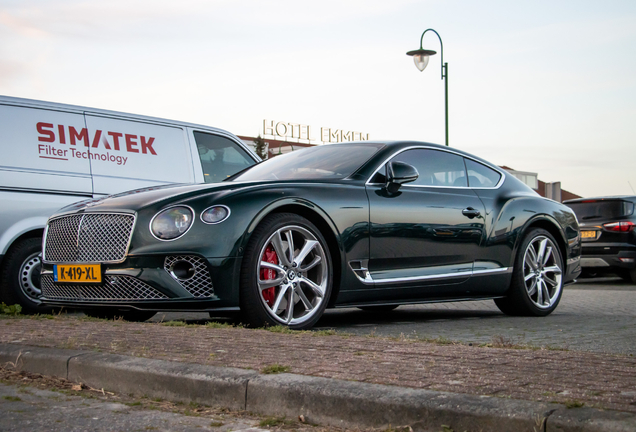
[191, 272]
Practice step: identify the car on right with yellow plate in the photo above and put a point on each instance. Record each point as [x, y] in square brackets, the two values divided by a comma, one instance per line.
[608, 235]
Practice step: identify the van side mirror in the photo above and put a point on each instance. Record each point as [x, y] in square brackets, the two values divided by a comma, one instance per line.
[398, 173]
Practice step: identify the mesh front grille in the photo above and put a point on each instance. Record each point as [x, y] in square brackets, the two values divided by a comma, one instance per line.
[200, 283]
[92, 237]
[115, 288]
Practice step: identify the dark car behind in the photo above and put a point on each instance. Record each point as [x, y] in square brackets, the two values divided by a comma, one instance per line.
[608, 236]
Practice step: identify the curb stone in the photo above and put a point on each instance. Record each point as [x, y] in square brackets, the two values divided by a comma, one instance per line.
[321, 400]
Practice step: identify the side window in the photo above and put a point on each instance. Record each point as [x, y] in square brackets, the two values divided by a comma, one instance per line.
[220, 157]
[435, 167]
[480, 175]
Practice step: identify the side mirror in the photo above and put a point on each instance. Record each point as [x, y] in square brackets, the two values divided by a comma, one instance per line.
[398, 173]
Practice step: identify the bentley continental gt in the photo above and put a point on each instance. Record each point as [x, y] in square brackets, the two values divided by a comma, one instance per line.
[372, 225]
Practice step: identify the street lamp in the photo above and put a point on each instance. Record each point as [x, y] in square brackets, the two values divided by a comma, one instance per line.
[421, 57]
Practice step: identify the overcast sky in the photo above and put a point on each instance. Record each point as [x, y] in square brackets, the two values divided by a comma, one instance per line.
[540, 86]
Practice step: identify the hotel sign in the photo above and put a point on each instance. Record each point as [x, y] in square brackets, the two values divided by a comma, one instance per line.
[296, 132]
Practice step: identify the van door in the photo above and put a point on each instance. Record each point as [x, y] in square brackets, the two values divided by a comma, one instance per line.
[132, 154]
[42, 151]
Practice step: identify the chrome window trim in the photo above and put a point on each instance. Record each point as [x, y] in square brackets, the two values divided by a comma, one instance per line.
[497, 186]
[132, 230]
[194, 216]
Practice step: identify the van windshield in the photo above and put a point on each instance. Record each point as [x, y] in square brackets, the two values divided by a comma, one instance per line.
[220, 157]
[601, 209]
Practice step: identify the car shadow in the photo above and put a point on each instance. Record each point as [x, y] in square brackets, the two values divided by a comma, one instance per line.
[405, 314]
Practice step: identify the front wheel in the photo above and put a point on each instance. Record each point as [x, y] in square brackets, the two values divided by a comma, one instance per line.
[286, 276]
[537, 278]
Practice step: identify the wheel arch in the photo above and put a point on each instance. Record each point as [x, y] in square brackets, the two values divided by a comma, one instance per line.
[34, 233]
[25, 228]
[320, 219]
[550, 225]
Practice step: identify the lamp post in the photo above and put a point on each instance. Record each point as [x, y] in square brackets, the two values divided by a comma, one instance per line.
[421, 57]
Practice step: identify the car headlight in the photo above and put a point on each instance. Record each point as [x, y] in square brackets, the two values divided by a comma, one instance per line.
[215, 214]
[171, 223]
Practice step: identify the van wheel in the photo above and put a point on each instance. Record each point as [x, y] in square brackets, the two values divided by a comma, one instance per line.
[21, 276]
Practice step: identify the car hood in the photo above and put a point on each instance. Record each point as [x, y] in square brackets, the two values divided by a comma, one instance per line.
[139, 198]
[159, 196]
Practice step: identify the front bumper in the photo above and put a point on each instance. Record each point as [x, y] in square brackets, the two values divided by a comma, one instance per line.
[608, 257]
[151, 283]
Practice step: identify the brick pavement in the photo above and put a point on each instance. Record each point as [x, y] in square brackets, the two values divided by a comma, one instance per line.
[597, 380]
[592, 316]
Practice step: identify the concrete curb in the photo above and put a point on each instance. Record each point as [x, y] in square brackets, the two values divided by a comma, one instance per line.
[321, 400]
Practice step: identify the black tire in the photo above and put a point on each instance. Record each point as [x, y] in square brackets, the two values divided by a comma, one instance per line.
[20, 282]
[628, 275]
[129, 315]
[529, 284]
[285, 295]
[374, 309]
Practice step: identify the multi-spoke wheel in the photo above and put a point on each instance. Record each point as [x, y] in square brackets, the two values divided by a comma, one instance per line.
[542, 272]
[286, 275]
[536, 285]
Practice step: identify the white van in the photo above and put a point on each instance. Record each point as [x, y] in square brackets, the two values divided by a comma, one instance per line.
[54, 154]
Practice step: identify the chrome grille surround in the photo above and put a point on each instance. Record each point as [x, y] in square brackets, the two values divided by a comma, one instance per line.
[88, 237]
[114, 289]
[200, 284]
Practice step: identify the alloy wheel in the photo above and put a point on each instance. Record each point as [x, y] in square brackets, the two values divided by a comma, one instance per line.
[292, 275]
[542, 272]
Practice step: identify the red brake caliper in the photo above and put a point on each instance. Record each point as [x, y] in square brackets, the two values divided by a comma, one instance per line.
[268, 274]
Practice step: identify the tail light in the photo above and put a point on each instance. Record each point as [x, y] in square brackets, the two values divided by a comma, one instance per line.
[619, 226]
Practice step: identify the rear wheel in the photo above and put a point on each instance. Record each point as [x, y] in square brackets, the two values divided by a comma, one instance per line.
[537, 285]
[21, 276]
[628, 275]
[286, 276]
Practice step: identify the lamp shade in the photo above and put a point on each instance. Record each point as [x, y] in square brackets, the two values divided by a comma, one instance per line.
[421, 57]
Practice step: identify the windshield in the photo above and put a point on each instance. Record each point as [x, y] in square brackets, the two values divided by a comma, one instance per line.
[603, 210]
[334, 161]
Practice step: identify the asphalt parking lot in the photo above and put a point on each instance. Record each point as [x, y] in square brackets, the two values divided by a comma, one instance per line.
[596, 315]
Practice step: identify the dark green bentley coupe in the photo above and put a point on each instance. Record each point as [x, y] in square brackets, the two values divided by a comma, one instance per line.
[372, 225]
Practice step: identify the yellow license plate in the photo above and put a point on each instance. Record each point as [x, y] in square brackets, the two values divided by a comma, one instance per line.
[588, 234]
[77, 273]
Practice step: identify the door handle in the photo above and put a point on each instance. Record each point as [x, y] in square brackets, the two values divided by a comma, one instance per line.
[470, 213]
